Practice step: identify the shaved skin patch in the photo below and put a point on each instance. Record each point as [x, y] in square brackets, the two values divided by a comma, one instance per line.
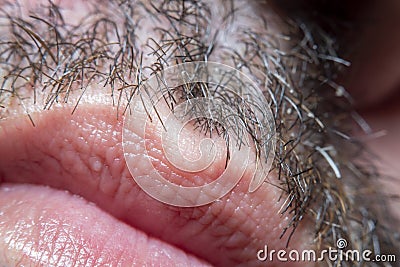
[82, 153]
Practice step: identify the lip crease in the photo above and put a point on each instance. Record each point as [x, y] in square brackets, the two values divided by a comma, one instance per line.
[82, 153]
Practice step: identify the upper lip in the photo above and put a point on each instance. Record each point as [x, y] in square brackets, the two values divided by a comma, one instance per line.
[83, 153]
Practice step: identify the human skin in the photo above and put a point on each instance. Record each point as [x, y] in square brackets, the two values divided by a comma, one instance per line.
[50, 226]
[374, 81]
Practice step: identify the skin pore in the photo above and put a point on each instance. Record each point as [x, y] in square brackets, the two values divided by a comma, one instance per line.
[69, 70]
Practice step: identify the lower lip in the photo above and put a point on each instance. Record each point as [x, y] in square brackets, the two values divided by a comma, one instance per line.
[40, 225]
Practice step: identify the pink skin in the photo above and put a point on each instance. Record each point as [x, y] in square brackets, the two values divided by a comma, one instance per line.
[82, 153]
[373, 79]
[236, 226]
[375, 74]
[35, 229]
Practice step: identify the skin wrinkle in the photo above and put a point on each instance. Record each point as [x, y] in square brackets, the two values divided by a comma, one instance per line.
[295, 73]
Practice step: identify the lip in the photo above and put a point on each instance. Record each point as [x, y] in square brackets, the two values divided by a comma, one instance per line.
[41, 226]
[82, 153]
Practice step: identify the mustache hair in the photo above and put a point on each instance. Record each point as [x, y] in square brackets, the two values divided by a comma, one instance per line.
[324, 173]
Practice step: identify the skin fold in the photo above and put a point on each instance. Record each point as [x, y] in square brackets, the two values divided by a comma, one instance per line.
[69, 70]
